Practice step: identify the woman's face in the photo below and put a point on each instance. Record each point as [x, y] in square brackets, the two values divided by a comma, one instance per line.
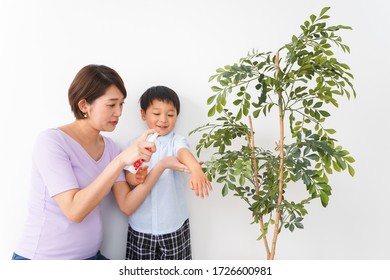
[104, 112]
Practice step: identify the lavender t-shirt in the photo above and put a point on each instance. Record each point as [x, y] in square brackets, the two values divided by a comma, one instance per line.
[60, 164]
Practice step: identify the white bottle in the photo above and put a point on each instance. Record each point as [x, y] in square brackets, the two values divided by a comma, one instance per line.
[137, 164]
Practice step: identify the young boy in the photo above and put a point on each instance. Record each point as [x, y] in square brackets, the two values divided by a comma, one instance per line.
[159, 228]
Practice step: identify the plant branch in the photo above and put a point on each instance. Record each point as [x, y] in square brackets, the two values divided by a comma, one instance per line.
[281, 166]
[251, 145]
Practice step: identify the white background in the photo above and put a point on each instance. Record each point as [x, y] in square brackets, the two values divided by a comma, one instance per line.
[180, 44]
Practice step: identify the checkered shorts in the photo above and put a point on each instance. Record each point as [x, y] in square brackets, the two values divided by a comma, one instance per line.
[170, 246]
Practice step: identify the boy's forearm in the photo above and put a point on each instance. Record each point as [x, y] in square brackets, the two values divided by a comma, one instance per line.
[129, 200]
[187, 158]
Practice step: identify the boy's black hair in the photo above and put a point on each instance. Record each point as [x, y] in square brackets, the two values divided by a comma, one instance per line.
[161, 93]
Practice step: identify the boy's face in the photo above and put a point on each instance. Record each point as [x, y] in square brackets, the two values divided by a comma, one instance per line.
[160, 116]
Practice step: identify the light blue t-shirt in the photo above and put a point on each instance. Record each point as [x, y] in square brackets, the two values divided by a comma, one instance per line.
[60, 164]
[164, 210]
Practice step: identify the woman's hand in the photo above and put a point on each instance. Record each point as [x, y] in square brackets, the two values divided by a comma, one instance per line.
[172, 163]
[140, 149]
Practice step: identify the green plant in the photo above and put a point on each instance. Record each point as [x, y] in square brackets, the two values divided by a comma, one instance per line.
[298, 87]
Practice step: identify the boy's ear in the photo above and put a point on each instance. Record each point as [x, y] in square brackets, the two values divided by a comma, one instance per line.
[143, 114]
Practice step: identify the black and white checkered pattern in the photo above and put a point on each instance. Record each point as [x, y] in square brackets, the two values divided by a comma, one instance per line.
[170, 246]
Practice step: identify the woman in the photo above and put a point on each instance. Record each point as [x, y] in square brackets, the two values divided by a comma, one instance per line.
[74, 168]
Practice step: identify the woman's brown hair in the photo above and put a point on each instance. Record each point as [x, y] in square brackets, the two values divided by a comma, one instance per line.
[91, 82]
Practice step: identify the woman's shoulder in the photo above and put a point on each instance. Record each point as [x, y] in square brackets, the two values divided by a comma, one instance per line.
[52, 139]
[50, 133]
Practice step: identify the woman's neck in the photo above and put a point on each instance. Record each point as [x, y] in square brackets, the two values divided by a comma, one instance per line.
[82, 132]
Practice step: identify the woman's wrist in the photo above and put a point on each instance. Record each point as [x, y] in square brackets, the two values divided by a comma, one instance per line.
[119, 162]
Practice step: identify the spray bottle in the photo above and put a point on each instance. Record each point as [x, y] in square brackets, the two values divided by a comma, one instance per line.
[137, 164]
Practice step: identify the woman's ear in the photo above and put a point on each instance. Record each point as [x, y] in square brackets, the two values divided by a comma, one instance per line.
[83, 105]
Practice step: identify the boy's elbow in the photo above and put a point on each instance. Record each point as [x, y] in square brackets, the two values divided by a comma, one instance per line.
[126, 210]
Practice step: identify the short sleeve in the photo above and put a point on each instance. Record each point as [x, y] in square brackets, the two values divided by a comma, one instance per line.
[179, 143]
[53, 163]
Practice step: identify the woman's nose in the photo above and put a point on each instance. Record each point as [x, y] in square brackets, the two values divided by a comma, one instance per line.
[118, 111]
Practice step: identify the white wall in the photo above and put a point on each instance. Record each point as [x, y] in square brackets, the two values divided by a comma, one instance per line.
[180, 43]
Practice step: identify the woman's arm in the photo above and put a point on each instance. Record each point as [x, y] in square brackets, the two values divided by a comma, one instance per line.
[129, 200]
[76, 204]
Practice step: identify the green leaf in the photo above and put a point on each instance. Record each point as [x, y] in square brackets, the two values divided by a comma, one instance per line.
[227, 74]
[341, 163]
[324, 113]
[318, 105]
[231, 186]
[330, 131]
[336, 166]
[349, 159]
[299, 225]
[216, 89]
[211, 99]
[351, 171]
[324, 10]
[219, 107]
[306, 179]
[211, 112]
[239, 115]
[313, 157]
[237, 102]
[225, 190]
[328, 53]
[213, 77]
[324, 198]
[241, 180]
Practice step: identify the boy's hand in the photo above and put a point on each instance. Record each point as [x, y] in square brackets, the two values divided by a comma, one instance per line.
[141, 174]
[200, 184]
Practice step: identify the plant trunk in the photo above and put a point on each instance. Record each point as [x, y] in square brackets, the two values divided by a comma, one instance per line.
[281, 165]
[251, 145]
